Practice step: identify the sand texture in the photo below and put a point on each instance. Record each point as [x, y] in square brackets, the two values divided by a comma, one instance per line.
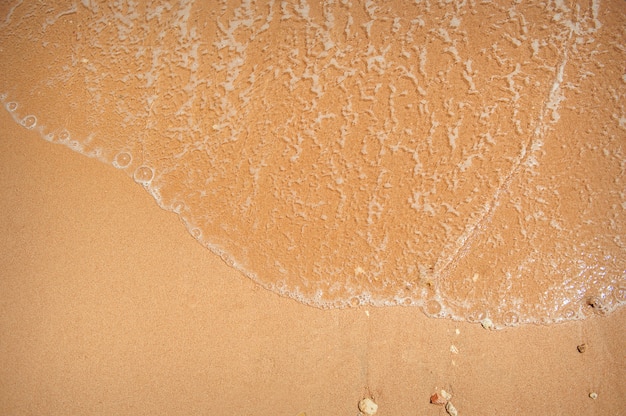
[110, 307]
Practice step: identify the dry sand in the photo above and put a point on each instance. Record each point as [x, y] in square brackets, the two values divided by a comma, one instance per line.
[109, 306]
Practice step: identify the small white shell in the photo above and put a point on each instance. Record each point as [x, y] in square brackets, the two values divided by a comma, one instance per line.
[451, 409]
[445, 395]
[368, 407]
[487, 323]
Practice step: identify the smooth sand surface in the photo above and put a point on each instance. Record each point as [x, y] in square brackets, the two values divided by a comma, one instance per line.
[109, 306]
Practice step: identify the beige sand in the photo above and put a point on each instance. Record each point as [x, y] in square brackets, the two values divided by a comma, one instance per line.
[109, 306]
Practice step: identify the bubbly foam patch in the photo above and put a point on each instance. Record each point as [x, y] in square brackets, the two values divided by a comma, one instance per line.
[467, 159]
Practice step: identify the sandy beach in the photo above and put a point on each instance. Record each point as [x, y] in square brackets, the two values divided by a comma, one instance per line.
[109, 306]
[464, 160]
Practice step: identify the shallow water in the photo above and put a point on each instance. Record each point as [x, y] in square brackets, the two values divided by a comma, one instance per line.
[466, 159]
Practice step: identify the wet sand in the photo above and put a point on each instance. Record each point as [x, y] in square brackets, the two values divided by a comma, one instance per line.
[109, 306]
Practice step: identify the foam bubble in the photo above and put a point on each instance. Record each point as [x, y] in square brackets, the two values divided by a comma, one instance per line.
[97, 153]
[122, 160]
[569, 312]
[228, 259]
[75, 145]
[11, 106]
[178, 207]
[476, 316]
[143, 174]
[29, 122]
[619, 294]
[63, 137]
[510, 318]
[355, 301]
[432, 308]
[405, 301]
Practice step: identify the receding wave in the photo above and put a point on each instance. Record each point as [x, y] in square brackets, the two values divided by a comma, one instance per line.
[468, 159]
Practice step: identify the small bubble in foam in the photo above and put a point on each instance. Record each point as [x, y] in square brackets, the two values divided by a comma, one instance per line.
[405, 302]
[64, 136]
[143, 174]
[432, 308]
[280, 286]
[49, 137]
[74, 145]
[569, 313]
[96, 153]
[11, 106]
[476, 316]
[3, 96]
[122, 160]
[196, 233]
[177, 207]
[355, 301]
[29, 122]
[510, 319]
[619, 294]
[230, 261]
